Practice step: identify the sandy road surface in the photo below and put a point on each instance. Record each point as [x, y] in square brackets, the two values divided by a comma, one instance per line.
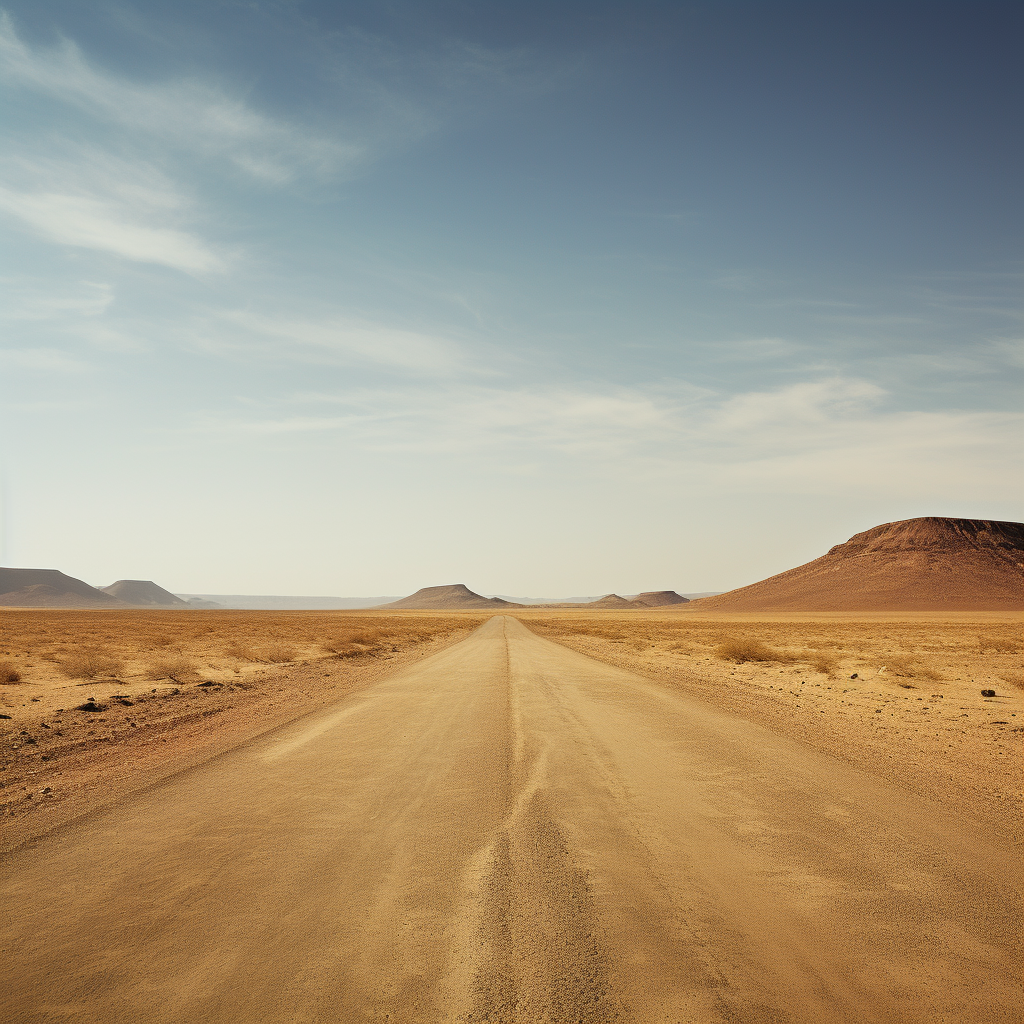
[509, 831]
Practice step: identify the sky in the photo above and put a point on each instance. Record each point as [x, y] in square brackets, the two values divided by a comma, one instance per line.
[544, 298]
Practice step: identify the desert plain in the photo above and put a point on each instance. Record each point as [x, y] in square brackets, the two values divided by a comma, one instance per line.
[542, 815]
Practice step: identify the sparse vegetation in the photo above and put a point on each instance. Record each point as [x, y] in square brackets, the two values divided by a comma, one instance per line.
[747, 649]
[824, 663]
[276, 654]
[8, 673]
[178, 669]
[344, 648]
[1013, 679]
[907, 669]
[89, 663]
[998, 645]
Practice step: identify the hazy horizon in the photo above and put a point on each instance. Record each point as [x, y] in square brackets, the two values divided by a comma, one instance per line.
[306, 298]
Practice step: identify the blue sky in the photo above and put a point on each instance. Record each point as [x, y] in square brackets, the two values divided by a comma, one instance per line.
[326, 298]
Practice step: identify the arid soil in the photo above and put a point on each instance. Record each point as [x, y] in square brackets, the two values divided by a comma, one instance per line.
[914, 715]
[107, 702]
[510, 831]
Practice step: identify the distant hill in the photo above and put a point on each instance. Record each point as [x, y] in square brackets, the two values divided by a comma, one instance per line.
[927, 564]
[143, 592]
[659, 599]
[452, 597]
[611, 601]
[650, 599]
[49, 588]
[282, 602]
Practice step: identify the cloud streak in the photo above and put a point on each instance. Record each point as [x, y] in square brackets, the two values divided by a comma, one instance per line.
[186, 114]
[817, 437]
[103, 225]
[334, 341]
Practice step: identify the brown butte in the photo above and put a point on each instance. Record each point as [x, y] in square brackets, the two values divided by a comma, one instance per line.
[927, 564]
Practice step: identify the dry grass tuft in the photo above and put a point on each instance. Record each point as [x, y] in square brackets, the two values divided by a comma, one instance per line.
[177, 669]
[276, 654]
[997, 645]
[8, 673]
[344, 648]
[824, 663]
[907, 669]
[89, 663]
[743, 650]
[1014, 679]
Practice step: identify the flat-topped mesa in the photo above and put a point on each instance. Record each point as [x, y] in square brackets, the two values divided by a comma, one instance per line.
[659, 599]
[453, 596]
[933, 533]
[927, 564]
[144, 593]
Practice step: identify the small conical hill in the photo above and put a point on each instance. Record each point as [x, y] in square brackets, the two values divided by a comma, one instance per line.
[143, 592]
[452, 597]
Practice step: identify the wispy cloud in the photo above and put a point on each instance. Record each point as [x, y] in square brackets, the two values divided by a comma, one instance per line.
[825, 436]
[186, 113]
[28, 299]
[93, 223]
[89, 197]
[334, 340]
[42, 360]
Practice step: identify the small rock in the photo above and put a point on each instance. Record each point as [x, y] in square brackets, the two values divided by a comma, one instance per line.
[91, 705]
[854, 676]
[988, 693]
[5, 716]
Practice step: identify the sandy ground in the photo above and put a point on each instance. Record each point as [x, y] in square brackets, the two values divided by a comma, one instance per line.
[509, 830]
[237, 674]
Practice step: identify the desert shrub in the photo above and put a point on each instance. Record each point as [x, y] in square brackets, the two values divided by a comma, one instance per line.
[997, 645]
[1014, 679]
[343, 648]
[749, 650]
[824, 663]
[8, 673]
[89, 663]
[276, 654]
[907, 669]
[177, 669]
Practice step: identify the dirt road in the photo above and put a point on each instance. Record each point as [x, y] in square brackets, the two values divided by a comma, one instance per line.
[509, 831]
